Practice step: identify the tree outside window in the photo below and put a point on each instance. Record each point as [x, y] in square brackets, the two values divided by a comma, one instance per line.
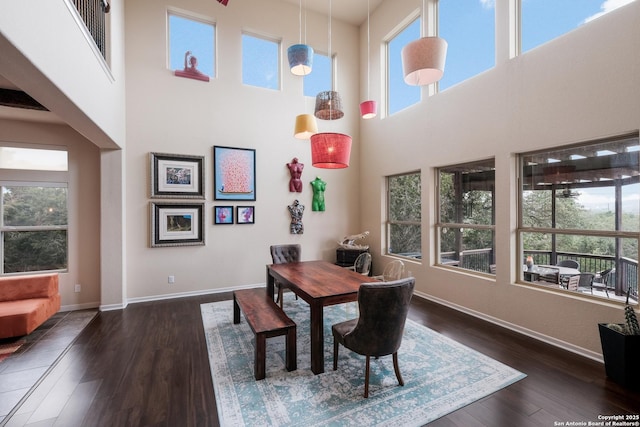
[404, 210]
[466, 213]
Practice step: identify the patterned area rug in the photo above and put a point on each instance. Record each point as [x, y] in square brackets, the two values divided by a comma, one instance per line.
[440, 376]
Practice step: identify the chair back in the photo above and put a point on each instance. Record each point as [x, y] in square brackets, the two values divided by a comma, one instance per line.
[586, 280]
[570, 263]
[363, 264]
[573, 282]
[393, 271]
[383, 313]
[283, 254]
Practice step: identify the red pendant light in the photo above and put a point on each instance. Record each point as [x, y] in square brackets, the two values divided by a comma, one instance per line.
[330, 150]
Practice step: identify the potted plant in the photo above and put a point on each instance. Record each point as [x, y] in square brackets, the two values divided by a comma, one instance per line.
[621, 349]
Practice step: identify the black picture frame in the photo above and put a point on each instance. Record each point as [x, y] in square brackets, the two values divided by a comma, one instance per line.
[176, 224]
[223, 215]
[245, 214]
[234, 173]
[177, 176]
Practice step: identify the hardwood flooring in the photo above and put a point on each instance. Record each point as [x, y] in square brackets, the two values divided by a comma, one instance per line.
[148, 365]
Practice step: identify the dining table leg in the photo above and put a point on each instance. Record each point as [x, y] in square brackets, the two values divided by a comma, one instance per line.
[317, 337]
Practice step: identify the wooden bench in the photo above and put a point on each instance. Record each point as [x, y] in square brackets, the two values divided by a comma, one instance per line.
[266, 320]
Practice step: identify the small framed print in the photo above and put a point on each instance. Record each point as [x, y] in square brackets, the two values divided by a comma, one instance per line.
[176, 224]
[234, 173]
[245, 214]
[177, 176]
[223, 215]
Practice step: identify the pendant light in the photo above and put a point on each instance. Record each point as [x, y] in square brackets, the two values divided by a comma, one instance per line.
[368, 109]
[330, 150]
[328, 103]
[300, 55]
[423, 59]
[306, 125]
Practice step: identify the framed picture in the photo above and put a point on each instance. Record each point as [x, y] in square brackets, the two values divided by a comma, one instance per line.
[177, 176]
[245, 214]
[234, 173]
[223, 215]
[176, 224]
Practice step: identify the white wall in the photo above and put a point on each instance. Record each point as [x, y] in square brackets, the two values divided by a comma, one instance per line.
[579, 87]
[83, 204]
[169, 114]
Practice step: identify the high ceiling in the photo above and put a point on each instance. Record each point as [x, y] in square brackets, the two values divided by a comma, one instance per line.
[350, 11]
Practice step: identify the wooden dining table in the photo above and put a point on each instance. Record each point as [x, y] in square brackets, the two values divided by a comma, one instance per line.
[319, 283]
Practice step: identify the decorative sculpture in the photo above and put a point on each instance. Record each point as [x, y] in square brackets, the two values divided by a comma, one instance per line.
[318, 186]
[348, 242]
[296, 210]
[191, 68]
[295, 169]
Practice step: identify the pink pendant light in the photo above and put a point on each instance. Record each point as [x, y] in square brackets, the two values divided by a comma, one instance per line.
[423, 59]
[368, 109]
[330, 150]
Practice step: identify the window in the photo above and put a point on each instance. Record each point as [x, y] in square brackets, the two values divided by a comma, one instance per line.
[404, 209]
[260, 62]
[320, 79]
[194, 36]
[466, 216]
[469, 28]
[33, 224]
[582, 203]
[544, 20]
[399, 94]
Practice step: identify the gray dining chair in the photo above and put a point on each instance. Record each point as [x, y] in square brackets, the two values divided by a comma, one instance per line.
[282, 254]
[378, 330]
[570, 263]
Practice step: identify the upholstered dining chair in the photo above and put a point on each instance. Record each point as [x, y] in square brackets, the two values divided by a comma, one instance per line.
[362, 264]
[378, 330]
[283, 254]
[392, 271]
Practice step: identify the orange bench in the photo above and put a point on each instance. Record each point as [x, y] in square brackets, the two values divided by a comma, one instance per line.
[266, 320]
[26, 302]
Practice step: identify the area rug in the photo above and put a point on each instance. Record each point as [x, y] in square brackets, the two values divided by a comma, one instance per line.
[440, 375]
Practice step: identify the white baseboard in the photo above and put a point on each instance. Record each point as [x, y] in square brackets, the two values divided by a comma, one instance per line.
[516, 328]
[76, 307]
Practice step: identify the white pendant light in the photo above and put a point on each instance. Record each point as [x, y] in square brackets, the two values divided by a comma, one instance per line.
[423, 60]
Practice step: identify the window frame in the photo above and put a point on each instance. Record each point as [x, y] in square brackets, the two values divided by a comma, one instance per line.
[554, 231]
[389, 222]
[33, 228]
[440, 224]
[278, 61]
[197, 19]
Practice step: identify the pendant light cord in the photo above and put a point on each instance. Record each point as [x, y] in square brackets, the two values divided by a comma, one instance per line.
[368, 54]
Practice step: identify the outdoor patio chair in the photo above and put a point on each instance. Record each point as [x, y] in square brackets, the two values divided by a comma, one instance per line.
[569, 263]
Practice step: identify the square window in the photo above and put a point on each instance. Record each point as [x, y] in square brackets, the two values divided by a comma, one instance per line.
[260, 62]
[191, 38]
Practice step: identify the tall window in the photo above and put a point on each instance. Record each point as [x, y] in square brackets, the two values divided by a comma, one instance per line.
[404, 211]
[194, 36]
[260, 62]
[399, 94]
[466, 216]
[321, 79]
[544, 20]
[469, 28]
[581, 205]
[33, 224]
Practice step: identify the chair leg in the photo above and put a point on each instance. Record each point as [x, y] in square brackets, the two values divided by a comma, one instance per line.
[366, 379]
[397, 368]
[280, 296]
[335, 354]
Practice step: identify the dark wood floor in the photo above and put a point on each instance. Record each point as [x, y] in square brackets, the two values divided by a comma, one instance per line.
[147, 365]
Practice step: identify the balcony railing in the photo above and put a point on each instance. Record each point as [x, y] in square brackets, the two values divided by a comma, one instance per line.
[625, 274]
[93, 13]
